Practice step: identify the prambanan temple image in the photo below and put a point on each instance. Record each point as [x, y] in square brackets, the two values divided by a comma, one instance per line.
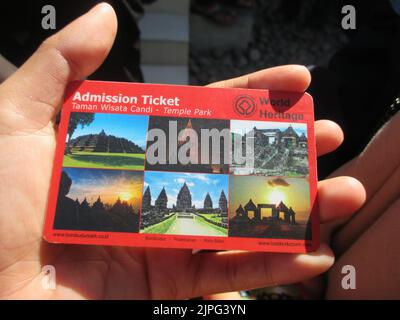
[183, 128]
[184, 207]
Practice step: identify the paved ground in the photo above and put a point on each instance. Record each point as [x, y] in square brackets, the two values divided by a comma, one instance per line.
[192, 227]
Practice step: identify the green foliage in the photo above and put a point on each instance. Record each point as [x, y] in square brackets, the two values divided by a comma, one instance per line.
[79, 118]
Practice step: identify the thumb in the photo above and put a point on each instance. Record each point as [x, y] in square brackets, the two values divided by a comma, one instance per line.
[32, 96]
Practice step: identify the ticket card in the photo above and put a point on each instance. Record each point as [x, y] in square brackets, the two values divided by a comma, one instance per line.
[151, 165]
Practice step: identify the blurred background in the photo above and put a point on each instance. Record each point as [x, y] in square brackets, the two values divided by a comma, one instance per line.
[191, 41]
[355, 72]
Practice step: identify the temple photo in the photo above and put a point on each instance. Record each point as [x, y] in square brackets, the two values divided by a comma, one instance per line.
[185, 204]
[99, 200]
[269, 148]
[188, 145]
[269, 207]
[106, 141]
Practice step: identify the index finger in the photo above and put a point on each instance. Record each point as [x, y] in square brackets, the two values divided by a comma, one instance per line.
[295, 78]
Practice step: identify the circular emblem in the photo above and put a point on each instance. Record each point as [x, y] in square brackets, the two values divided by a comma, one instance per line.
[245, 106]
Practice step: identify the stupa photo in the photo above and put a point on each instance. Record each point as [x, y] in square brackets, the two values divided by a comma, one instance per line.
[103, 142]
[109, 141]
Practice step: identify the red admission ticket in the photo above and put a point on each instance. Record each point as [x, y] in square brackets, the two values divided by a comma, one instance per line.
[184, 167]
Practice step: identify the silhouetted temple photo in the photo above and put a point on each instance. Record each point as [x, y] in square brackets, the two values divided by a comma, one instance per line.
[289, 216]
[269, 207]
[113, 214]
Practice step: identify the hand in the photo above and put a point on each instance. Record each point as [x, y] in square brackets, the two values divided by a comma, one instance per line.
[369, 241]
[29, 101]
